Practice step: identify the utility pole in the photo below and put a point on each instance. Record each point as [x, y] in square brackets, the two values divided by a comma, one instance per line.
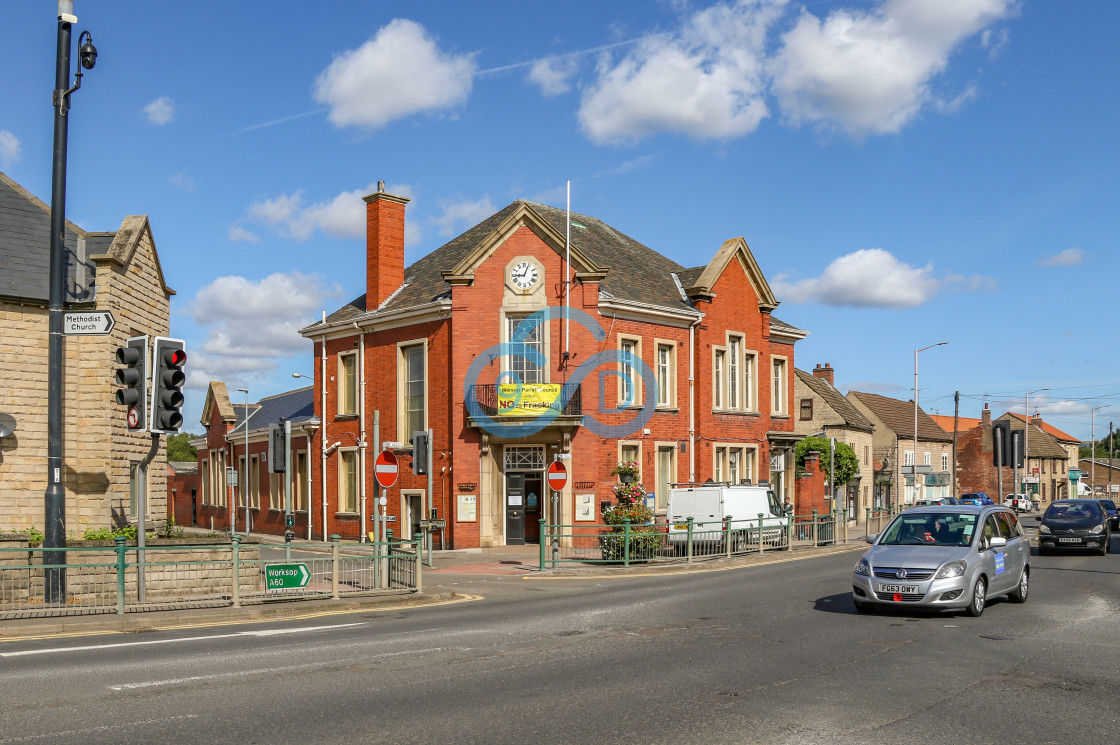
[956, 418]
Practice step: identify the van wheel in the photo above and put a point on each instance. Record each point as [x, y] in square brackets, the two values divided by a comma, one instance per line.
[739, 546]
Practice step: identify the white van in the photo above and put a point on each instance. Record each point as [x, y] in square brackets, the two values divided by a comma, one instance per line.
[709, 504]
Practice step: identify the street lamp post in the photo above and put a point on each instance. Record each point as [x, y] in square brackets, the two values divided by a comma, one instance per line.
[914, 463]
[1093, 450]
[244, 489]
[54, 499]
[1027, 436]
[307, 487]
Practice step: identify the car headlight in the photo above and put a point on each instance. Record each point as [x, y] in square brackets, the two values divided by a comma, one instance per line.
[952, 569]
[862, 567]
[1097, 528]
[1044, 528]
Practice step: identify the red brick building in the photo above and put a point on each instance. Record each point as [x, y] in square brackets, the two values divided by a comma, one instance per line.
[628, 355]
[257, 500]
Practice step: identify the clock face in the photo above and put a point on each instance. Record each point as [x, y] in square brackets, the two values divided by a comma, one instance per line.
[524, 275]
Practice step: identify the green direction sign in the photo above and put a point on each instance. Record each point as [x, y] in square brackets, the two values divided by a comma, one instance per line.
[286, 576]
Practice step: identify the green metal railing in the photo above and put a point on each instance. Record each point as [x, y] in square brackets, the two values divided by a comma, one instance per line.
[628, 543]
[122, 578]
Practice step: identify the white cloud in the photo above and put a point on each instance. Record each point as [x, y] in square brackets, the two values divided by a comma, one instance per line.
[160, 111]
[552, 74]
[994, 41]
[707, 80]
[1069, 257]
[461, 215]
[240, 234]
[870, 72]
[251, 325]
[10, 149]
[400, 71]
[868, 278]
[341, 216]
[182, 181]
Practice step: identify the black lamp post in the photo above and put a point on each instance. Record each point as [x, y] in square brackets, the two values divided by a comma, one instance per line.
[54, 534]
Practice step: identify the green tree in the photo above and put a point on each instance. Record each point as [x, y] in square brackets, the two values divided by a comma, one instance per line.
[179, 447]
[847, 464]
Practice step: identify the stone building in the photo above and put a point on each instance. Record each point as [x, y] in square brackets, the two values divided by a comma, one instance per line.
[822, 410]
[116, 271]
[900, 461]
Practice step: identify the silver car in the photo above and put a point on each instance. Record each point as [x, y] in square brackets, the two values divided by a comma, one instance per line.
[947, 557]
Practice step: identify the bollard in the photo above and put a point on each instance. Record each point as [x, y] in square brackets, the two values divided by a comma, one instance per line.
[689, 539]
[760, 541]
[121, 565]
[335, 538]
[814, 528]
[626, 542]
[419, 575]
[543, 537]
[235, 541]
[727, 534]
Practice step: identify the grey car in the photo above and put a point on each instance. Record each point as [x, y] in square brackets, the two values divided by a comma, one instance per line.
[947, 557]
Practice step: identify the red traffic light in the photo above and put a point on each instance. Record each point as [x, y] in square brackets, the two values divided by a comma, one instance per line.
[174, 357]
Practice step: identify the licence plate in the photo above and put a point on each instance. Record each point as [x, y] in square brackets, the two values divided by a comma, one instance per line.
[905, 589]
[1069, 540]
[680, 526]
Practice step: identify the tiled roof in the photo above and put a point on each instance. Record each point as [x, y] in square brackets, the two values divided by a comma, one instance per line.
[183, 466]
[964, 423]
[635, 271]
[1051, 430]
[1040, 444]
[842, 406]
[899, 417]
[25, 234]
[294, 406]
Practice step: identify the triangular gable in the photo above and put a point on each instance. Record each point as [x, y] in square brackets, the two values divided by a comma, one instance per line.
[522, 216]
[125, 242]
[734, 248]
[217, 397]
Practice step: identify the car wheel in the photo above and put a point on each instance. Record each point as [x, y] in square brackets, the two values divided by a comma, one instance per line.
[1019, 594]
[979, 596]
[863, 607]
[1043, 551]
[1104, 545]
[740, 544]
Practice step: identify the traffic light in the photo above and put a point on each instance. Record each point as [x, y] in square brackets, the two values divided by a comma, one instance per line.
[277, 448]
[168, 359]
[420, 453]
[1001, 443]
[289, 520]
[134, 393]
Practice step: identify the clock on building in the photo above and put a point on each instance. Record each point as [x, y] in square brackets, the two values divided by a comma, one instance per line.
[524, 275]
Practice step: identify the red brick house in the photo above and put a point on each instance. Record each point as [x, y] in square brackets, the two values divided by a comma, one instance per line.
[629, 356]
[234, 429]
[184, 490]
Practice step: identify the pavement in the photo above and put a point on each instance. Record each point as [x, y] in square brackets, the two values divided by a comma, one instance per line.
[451, 576]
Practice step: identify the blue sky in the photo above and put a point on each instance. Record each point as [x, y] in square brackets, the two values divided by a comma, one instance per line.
[906, 172]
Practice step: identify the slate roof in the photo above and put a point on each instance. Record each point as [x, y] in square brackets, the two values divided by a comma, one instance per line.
[635, 272]
[294, 406]
[25, 224]
[842, 406]
[898, 416]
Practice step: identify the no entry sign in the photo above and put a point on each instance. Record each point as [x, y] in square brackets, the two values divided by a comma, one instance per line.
[557, 475]
[385, 468]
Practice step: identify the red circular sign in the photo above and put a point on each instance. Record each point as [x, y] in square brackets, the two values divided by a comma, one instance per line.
[133, 417]
[385, 468]
[557, 475]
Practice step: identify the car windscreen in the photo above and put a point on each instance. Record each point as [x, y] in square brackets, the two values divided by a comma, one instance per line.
[1072, 511]
[1108, 504]
[930, 529]
[775, 505]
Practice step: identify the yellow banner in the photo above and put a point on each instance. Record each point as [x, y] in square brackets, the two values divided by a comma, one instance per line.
[534, 399]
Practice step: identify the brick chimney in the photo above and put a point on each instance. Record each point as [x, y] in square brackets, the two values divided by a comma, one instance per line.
[1036, 420]
[986, 417]
[825, 373]
[384, 245]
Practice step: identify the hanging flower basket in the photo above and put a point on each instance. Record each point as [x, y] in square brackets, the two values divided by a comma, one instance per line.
[627, 471]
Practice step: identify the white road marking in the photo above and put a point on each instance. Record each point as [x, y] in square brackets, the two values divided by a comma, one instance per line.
[91, 647]
[105, 728]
